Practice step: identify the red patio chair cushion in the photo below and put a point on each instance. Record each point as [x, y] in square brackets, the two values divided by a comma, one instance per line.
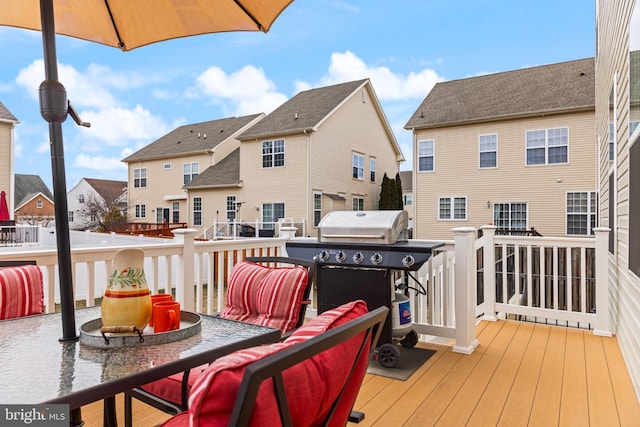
[266, 296]
[21, 291]
[311, 386]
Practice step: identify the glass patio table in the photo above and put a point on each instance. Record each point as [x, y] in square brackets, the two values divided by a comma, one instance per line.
[36, 368]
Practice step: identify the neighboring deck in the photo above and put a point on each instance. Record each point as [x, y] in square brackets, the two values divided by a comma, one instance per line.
[520, 374]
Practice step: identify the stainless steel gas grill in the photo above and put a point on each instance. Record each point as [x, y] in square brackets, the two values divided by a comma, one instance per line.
[360, 255]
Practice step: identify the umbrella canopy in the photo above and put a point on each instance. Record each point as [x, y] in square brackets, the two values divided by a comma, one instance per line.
[4, 209]
[126, 24]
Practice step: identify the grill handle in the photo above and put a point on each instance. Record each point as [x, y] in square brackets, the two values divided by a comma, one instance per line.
[353, 236]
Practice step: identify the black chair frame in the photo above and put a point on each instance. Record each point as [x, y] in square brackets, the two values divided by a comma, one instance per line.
[173, 409]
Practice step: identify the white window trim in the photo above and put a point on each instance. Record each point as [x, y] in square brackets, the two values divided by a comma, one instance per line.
[588, 214]
[373, 166]
[433, 142]
[452, 216]
[360, 174]
[273, 153]
[513, 203]
[546, 147]
[480, 151]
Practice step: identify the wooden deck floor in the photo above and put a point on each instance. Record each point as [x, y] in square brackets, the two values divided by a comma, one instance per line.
[521, 374]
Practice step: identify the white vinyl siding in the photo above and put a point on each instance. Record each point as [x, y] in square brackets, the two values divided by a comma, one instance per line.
[488, 151]
[452, 208]
[426, 156]
[547, 146]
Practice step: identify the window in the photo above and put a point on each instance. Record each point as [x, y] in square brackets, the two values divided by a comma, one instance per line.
[581, 213]
[547, 146]
[140, 177]
[452, 208]
[357, 163]
[510, 216]
[39, 204]
[317, 208]
[488, 150]
[372, 168]
[612, 140]
[190, 172]
[407, 199]
[197, 211]
[231, 208]
[357, 204]
[141, 211]
[176, 212]
[70, 215]
[271, 213]
[273, 153]
[160, 215]
[426, 155]
[166, 166]
[93, 217]
[80, 198]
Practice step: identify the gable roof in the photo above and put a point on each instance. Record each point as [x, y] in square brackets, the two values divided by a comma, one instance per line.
[109, 190]
[26, 187]
[304, 112]
[556, 88]
[225, 173]
[5, 114]
[193, 138]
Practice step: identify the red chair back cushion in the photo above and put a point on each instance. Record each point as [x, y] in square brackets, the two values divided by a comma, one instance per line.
[311, 386]
[21, 291]
[266, 296]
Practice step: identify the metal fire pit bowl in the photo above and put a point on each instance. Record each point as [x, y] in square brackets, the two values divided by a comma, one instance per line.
[90, 334]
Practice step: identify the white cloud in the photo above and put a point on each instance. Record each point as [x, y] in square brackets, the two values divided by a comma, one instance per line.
[249, 89]
[388, 85]
[98, 163]
[120, 126]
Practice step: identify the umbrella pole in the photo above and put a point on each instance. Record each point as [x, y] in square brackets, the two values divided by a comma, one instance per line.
[67, 302]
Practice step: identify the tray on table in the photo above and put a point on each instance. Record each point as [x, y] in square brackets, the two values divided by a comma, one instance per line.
[91, 335]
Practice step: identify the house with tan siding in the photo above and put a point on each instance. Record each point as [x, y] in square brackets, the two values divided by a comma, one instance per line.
[406, 179]
[516, 149]
[617, 118]
[7, 124]
[324, 149]
[158, 171]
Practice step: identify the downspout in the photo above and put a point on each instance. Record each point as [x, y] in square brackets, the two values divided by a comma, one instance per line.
[414, 179]
[308, 224]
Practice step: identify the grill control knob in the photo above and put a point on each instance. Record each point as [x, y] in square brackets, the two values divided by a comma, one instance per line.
[341, 256]
[408, 261]
[324, 255]
[376, 258]
[358, 257]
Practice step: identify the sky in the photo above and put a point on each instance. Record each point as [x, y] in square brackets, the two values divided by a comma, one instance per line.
[404, 47]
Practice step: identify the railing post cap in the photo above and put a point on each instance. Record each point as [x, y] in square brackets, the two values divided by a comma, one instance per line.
[462, 230]
[489, 227]
[601, 229]
[185, 231]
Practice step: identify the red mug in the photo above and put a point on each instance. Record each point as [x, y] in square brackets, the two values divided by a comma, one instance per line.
[157, 298]
[166, 316]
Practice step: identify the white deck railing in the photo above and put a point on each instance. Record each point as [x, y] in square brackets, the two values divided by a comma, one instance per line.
[555, 279]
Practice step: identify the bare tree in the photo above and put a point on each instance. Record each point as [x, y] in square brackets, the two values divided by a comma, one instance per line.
[99, 212]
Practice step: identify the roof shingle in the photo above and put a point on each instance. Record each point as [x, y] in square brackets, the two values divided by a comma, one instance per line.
[5, 114]
[555, 88]
[224, 173]
[304, 111]
[192, 138]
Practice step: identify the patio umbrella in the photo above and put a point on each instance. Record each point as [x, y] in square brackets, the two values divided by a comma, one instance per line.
[4, 209]
[125, 24]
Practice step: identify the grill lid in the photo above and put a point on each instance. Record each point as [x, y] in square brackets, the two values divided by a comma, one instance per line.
[382, 227]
